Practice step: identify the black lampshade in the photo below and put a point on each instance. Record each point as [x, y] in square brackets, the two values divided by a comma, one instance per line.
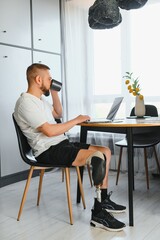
[104, 14]
[131, 4]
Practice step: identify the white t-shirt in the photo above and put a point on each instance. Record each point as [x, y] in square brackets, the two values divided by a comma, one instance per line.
[30, 113]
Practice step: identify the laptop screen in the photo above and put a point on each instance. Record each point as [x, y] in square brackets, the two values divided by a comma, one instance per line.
[114, 108]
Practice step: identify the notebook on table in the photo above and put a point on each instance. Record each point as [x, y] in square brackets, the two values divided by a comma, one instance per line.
[112, 112]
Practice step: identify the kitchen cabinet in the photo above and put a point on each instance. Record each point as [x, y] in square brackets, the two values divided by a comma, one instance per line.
[15, 22]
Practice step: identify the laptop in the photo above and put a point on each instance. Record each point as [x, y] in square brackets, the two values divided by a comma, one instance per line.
[112, 113]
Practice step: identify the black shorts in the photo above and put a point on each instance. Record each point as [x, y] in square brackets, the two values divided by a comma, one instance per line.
[62, 154]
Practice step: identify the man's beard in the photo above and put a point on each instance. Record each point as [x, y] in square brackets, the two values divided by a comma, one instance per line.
[45, 91]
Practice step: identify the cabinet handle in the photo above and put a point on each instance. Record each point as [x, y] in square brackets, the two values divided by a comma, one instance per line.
[5, 56]
[39, 39]
[39, 61]
[4, 31]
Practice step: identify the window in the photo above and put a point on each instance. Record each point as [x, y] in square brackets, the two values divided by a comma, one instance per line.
[96, 60]
[107, 62]
[145, 47]
[141, 56]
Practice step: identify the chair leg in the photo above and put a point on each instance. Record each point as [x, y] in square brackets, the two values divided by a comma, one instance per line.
[25, 192]
[155, 154]
[62, 174]
[89, 174]
[146, 167]
[80, 186]
[119, 164]
[69, 194]
[40, 185]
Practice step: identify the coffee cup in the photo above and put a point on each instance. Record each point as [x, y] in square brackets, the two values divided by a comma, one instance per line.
[56, 85]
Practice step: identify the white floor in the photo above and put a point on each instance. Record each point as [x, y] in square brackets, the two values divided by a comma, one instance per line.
[51, 220]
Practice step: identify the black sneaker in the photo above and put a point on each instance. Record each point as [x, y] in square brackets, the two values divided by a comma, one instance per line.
[110, 206]
[98, 170]
[102, 219]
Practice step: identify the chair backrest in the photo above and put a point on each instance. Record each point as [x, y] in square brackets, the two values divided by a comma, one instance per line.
[25, 149]
[151, 110]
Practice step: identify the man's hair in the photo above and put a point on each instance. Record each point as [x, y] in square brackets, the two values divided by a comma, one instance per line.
[32, 70]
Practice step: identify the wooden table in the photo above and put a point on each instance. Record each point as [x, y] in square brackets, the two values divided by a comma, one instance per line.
[125, 127]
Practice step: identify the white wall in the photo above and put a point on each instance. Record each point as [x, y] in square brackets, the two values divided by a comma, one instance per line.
[30, 32]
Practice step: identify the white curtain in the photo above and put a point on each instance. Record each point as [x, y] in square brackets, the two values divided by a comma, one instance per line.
[78, 66]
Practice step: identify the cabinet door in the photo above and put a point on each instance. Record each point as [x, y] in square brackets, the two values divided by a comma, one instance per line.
[46, 25]
[13, 64]
[15, 22]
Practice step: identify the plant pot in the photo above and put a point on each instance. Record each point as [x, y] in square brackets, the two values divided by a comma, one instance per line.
[139, 107]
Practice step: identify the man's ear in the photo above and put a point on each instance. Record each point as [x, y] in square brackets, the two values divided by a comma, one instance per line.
[38, 79]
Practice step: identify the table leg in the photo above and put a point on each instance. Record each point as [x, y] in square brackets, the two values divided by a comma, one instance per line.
[130, 175]
[83, 138]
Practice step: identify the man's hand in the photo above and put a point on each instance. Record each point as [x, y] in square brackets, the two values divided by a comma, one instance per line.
[82, 118]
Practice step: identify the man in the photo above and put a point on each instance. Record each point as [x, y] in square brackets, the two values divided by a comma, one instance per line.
[36, 118]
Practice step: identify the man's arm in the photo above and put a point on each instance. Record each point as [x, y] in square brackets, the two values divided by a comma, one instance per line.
[51, 130]
[57, 106]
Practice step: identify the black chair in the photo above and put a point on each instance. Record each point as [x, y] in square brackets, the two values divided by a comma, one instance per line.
[27, 156]
[142, 138]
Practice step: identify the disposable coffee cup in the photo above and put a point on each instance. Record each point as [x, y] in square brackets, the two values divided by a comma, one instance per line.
[55, 85]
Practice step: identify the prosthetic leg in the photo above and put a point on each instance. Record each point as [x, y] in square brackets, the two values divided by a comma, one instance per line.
[98, 163]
